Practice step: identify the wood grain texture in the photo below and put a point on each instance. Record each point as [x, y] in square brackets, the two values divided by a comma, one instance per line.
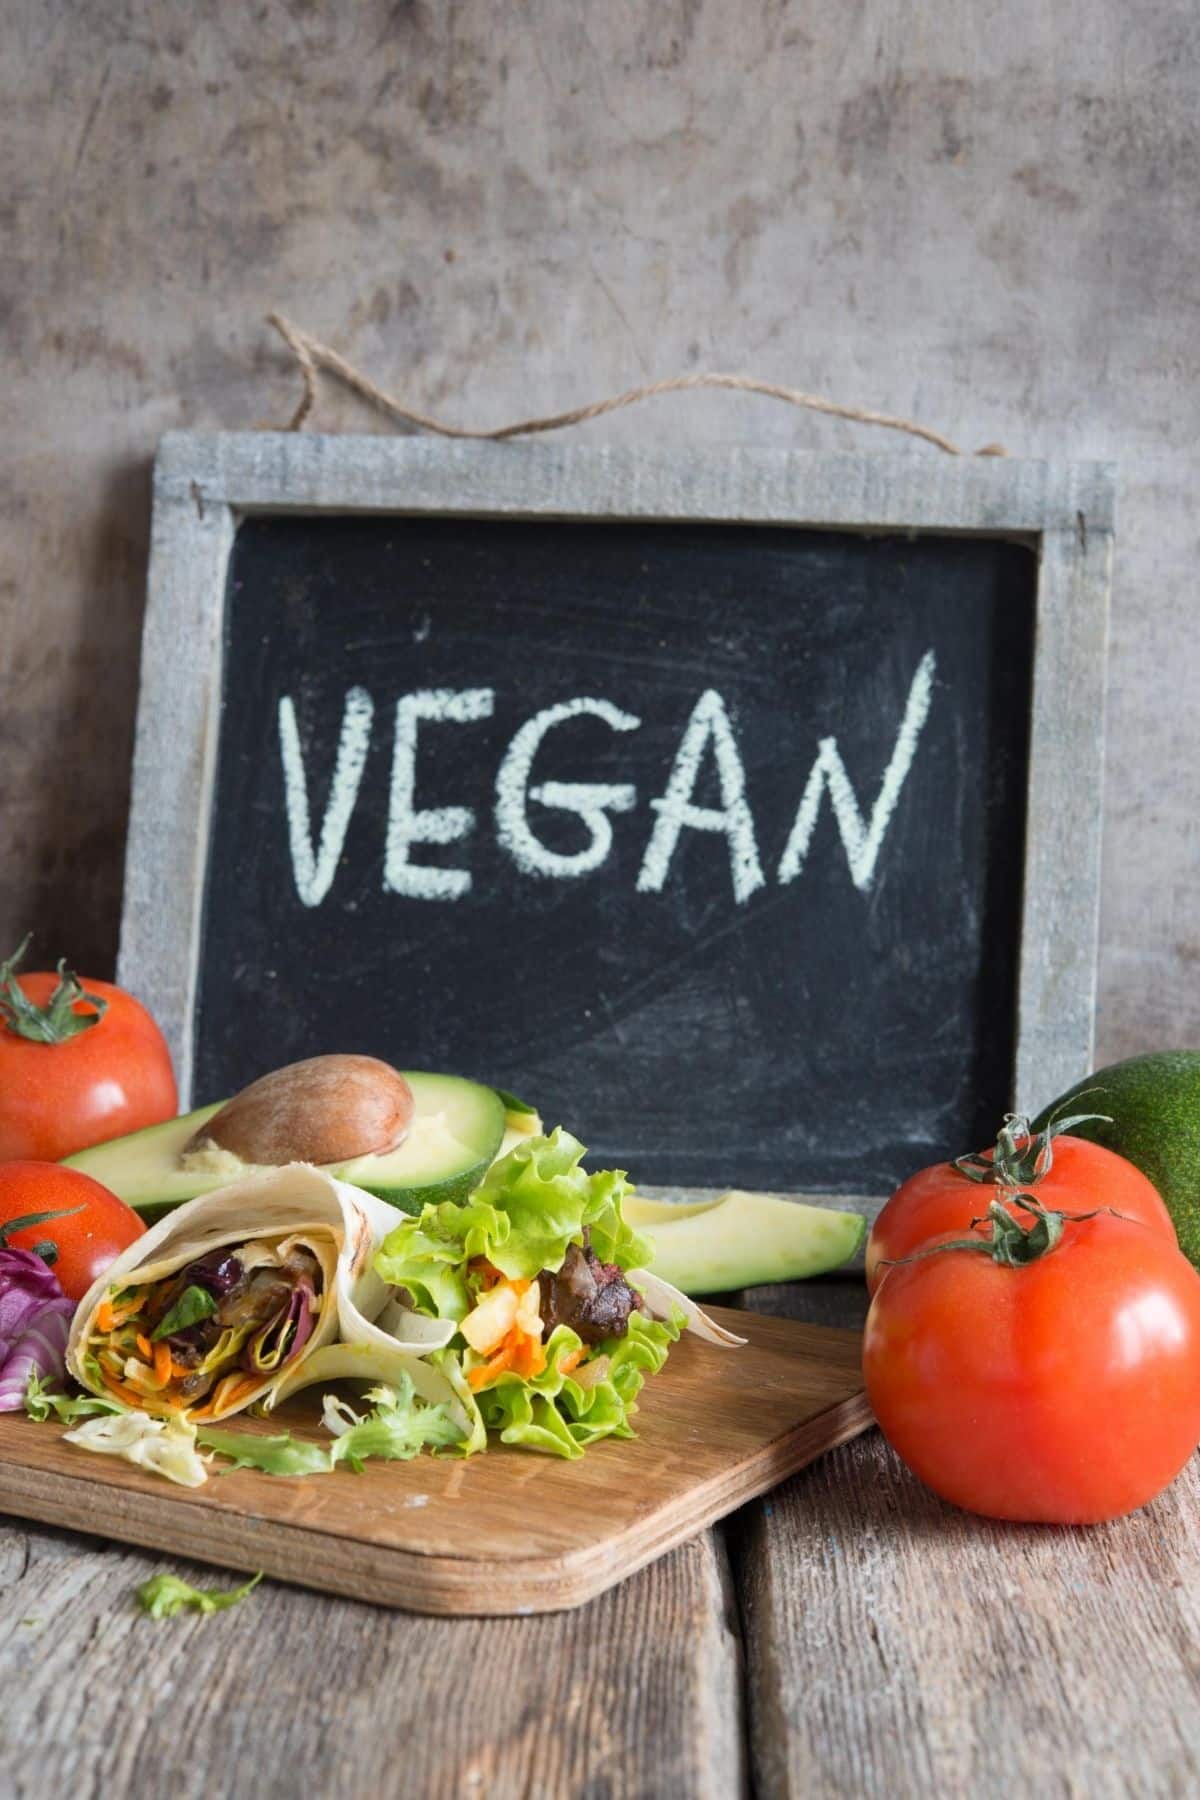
[638, 1694]
[896, 1646]
[508, 1532]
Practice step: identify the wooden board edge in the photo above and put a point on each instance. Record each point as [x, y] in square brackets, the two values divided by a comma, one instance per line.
[440, 1586]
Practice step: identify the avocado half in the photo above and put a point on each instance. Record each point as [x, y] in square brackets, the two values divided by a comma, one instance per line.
[742, 1240]
[457, 1129]
[1153, 1102]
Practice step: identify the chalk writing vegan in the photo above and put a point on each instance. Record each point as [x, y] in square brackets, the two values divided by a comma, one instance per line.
[709, 734]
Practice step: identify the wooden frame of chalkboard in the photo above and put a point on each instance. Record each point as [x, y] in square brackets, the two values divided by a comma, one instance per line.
[205, 485]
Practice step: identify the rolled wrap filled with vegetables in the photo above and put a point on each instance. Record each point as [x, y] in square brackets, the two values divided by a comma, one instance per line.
[228, 1299]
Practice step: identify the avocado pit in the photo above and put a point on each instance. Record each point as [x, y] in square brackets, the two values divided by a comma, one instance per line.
[326, 1109]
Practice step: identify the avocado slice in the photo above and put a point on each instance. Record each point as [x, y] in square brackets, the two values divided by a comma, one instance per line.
[1154, 1104]
[743, 1240]
[457, 1129]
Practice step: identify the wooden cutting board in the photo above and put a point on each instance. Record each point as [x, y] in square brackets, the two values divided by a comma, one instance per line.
[507, 1532]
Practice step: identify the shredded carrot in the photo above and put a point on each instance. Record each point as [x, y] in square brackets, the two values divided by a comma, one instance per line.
[572, 1360]
[162, 1361]
[484, 1373]
[529, 1355]
[130, 1396]
[179, 1370]
[146, 1347]
[228, 1392]
[104, 1316]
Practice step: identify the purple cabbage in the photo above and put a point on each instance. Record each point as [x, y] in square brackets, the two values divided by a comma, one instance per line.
[290, 1329]
[35, 1320]
[218, 1271]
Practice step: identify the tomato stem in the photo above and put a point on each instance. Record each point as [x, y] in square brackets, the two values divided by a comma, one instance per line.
[55, 1022]
[1022, 1157]
[1011, 1244]
[27, 1219]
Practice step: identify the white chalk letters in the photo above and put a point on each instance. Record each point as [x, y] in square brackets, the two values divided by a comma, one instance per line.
[592, 800]
[314, 872]
[708, 735]
[709, 724]
[862, 842]
[437, 824]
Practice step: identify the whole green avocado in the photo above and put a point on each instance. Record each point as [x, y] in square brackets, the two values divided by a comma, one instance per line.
[1154, 1103]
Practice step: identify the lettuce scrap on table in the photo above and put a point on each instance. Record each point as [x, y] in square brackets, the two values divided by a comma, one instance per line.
[165, 1595]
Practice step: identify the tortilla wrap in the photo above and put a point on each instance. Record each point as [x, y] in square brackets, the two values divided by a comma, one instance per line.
[277, 1211]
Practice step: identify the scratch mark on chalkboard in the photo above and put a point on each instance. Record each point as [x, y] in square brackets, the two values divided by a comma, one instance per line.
[666, 975]
[89, 122]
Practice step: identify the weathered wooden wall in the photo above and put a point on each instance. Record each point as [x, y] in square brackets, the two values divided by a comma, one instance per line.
[984, 216]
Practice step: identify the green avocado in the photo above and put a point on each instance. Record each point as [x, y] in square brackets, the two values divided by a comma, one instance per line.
[1154, 1104]
[742, 1240]
[457, 1129]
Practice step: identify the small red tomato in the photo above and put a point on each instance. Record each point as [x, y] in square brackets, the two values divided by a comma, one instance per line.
[77, 1066]
[93, 1229]
[1065, 1390]
[941, 1200]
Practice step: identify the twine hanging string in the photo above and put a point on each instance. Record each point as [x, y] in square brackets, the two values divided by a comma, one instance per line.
[315, 358]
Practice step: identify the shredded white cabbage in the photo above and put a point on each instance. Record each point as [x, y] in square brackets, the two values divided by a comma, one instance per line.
[664, 1300]
[338, 1416]
[164, 1446]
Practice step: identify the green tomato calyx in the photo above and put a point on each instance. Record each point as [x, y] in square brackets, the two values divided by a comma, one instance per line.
[1023, 1156]
[1011, 1244]
[55, 1022]
[39, 1218]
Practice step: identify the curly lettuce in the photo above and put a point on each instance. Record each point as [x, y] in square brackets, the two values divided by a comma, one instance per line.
[530, 1206]
[560, 1415]
[164, 1595]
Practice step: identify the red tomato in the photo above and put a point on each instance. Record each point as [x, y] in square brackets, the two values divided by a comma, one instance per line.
[941, 1201]
[1066, 1390]
[83, 1086]
[99, 1227]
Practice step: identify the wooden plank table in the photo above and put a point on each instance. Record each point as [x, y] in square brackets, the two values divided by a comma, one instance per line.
[847, 1636]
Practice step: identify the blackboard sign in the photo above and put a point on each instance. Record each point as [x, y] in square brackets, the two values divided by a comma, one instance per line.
[708, 835]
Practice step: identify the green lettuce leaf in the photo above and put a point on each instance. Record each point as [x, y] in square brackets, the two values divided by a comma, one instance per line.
[396, 1430]
[165, 1595]
[557, 1415]
[450, 1364]
[41, 1400]
[530, 1206]
[278, 1455]
[194, 1304]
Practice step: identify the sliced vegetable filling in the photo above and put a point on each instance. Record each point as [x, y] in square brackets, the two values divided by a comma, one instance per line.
[204, 1338]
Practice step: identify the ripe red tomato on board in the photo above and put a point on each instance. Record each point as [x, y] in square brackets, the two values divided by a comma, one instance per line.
[942, 1200]
[93, 1229]
[1066, 1390]
[77, 1065]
